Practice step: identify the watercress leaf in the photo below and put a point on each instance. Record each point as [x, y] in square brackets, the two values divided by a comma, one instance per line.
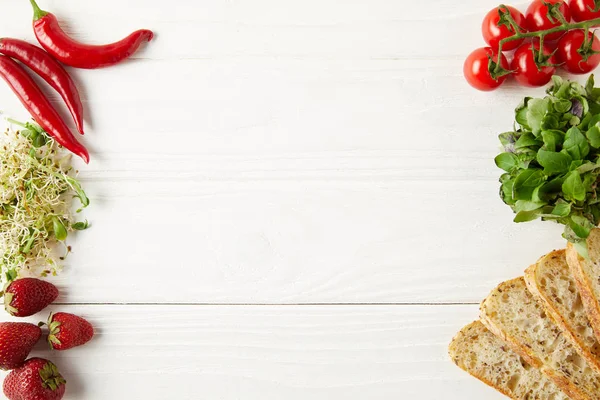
[561, 105]
[536, 110]
[573, 187]
[553, 163]
[538, 196]
[524, 205]
[588, 181]
[550, 121]
[594, 119]
[593, 135]
[585, 121]
[581, 226]
[526, 182]
[595, 211]
[507, 161]
[551, 189]
[508, 140]
[553, 139]
[589, 86]
[576, 144]
[562, 209]
[525, 158]
[526, 216]
[569, 234]
[587, 167]
[594, 106]
[527, 139]
[506, 192]
[557, 83]
[575, 164]
[579, 104]
[521, 114]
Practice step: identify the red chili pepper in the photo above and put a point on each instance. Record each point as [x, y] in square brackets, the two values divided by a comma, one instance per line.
[39, 107]
[79, 55]
[50, 70]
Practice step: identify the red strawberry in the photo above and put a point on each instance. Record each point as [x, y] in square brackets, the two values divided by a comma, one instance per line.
[68, 331]
[28, 296]
[16, 341]
[37, 379]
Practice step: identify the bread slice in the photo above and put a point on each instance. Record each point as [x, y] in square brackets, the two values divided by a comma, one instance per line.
[512, 313]
[587, 277]
[551, 283]
[480, 353]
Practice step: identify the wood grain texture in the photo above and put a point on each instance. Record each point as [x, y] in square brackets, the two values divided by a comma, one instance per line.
[284, 152]
[313, 153]
[268, 352]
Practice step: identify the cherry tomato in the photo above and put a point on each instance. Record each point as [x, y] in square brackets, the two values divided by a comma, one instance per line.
[476, 69]
[536, 17]
[568, 52]
[526, 71]
[492, 33]
[582, 10]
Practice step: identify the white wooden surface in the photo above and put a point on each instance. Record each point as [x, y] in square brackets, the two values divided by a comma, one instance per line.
[290, 199]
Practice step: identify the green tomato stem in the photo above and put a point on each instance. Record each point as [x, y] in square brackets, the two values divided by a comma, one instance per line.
[565, 26]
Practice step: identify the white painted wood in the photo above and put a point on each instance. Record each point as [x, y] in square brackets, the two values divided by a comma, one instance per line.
[285, 152]
[268, 352]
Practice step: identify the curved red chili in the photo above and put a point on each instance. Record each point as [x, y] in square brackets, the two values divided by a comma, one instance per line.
[70, 52]
[39, 107]
[48, 69]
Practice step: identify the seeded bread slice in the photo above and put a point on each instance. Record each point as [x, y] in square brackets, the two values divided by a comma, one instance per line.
[480, 353]
[551, 283]
[512, 313]
[587, 277]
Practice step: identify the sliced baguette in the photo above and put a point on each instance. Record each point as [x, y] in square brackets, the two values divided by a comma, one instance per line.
[551, 283]
[587, 277]
[477, 351]
[512, 313]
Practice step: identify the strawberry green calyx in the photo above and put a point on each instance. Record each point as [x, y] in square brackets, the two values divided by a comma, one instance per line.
[8, 297]
[51, 378]
[11, 275]
[54, 330]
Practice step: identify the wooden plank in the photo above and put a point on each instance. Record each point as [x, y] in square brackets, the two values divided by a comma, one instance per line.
[309, 154]
[322, 28]
[274, 352]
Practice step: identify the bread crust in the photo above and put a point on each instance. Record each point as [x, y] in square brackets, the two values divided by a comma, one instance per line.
[531, 280]
[564, 384]
[454, 351]
[590, 303]
[465, 331]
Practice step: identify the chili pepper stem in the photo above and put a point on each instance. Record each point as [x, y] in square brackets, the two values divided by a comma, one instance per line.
[37, 11]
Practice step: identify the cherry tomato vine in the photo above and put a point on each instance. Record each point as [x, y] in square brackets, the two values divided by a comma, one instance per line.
[543, 39]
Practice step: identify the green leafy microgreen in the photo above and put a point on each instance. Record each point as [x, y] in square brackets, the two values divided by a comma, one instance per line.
[36, 188]
[80, 226]
[60, 232]
[593, 136]
[551, 161]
